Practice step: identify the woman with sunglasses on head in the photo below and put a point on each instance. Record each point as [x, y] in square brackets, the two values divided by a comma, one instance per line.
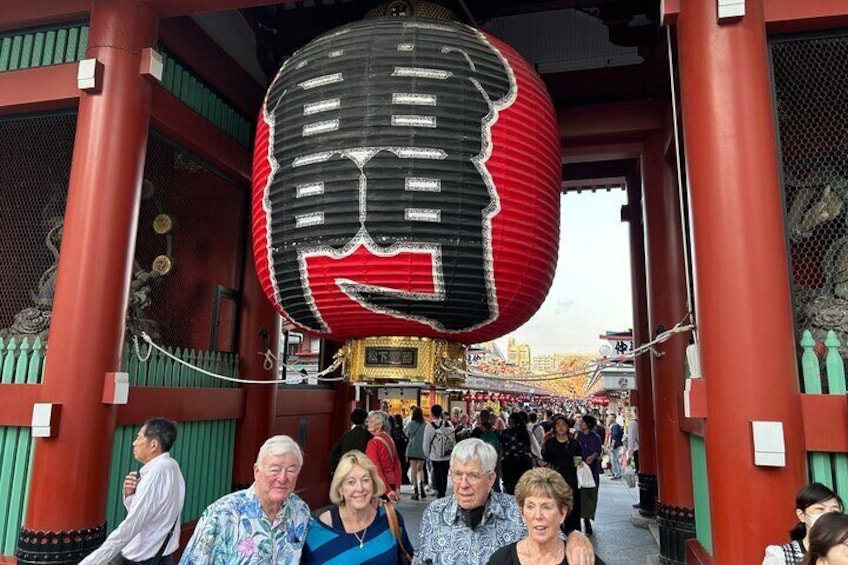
[812, 502]
[829, 541]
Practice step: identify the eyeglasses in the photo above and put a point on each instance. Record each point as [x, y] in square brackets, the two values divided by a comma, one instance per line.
[472, 478]
[274, 472]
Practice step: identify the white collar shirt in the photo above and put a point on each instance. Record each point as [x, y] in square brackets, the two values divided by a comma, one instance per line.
[152, 512]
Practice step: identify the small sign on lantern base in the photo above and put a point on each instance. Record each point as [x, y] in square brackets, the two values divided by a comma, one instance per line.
[418, 359]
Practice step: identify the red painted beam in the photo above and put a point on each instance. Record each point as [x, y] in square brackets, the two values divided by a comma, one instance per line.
[669, 10]
[696, 554]
[300, 402]
[39, 89]
[693, 426]
[181, 405]
[619, 122]
[581, 153]
[819, 432]
[174, 8]
[19, 14]
[17, 401]
[214, 65]
[186, 127]
[784, 16]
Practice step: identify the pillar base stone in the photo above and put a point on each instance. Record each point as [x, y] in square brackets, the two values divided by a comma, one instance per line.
[58, 548]
[677, 525]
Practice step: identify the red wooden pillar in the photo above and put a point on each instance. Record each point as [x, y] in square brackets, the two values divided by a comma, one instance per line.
[668, 305]
[66, 512]
[641, 334]
[744, 314]
[259, 328]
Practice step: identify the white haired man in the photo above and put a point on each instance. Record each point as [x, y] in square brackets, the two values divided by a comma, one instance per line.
[467, 527]
[265, 523]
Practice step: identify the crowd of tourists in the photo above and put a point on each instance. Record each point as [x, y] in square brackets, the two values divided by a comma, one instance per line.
[506, 493]
[470, 522]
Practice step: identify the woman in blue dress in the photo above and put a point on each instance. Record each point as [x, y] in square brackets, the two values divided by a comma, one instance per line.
[355, 529]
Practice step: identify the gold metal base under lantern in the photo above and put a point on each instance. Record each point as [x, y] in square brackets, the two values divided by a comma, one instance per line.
[417, 359]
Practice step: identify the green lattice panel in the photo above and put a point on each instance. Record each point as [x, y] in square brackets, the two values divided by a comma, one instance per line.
[42, 48]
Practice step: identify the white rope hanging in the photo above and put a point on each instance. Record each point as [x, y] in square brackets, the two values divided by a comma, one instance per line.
[591, 368]
[335, 365]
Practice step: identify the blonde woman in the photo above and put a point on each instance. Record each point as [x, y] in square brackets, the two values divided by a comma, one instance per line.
[545, 500]
[355, 529]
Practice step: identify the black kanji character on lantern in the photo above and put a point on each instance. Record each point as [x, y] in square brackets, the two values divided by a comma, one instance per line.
[379, 134]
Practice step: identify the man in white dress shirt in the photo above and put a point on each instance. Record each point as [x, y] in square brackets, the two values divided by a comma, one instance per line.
[154, 498]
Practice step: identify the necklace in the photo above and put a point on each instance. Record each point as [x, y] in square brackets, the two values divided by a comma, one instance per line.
[361, 540]
[350, 520]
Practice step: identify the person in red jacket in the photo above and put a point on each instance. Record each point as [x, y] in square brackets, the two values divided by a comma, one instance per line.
[382, 451]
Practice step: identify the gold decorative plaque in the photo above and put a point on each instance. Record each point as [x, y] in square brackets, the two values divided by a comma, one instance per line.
[163, 264]
[421, 359]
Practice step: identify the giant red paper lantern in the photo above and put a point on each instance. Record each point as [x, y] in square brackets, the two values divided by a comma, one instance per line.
[406, 182]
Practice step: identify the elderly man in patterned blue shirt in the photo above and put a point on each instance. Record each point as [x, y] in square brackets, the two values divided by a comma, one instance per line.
[468, 526]
[263, 524]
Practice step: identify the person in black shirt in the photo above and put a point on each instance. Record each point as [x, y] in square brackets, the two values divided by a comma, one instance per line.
[355, 438]
[559, 453]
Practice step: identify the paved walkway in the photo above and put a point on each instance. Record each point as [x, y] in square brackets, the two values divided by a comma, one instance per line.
[616, 541]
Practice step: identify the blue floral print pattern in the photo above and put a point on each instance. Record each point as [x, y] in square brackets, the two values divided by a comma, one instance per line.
[235, 531]
[446, 540]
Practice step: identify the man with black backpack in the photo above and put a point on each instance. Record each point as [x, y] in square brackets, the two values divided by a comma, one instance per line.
[439, 440]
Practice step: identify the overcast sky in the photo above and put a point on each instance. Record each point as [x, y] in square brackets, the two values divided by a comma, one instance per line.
[591, 289]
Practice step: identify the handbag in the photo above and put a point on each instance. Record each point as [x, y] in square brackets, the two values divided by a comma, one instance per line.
[585, 479]
[404, 558]
[630, 477]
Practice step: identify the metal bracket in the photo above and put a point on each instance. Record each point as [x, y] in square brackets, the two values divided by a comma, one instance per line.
[152, 65]
[90, 75]
[45, 419]
[116, 388]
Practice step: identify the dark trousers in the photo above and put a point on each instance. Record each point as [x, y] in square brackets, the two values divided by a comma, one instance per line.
[512, 469]
[636, 459]
[440, 476]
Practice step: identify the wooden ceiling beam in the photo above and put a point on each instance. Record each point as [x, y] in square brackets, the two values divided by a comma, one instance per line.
[21, 14]
[611, 123]
[175, 8]
[601, 152]
[592, 170]
[39, 89]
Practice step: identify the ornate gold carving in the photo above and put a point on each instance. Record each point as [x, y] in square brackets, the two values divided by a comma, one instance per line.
[382, 359]
[163, 264]
[163, 224]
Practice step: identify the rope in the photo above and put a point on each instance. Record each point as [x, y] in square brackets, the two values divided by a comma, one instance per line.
[141, 358]
[587, 369]
[270, 358]
[335, 365]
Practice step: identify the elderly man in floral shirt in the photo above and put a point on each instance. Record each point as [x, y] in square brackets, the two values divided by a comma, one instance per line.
[468, 526]
[264, 524]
